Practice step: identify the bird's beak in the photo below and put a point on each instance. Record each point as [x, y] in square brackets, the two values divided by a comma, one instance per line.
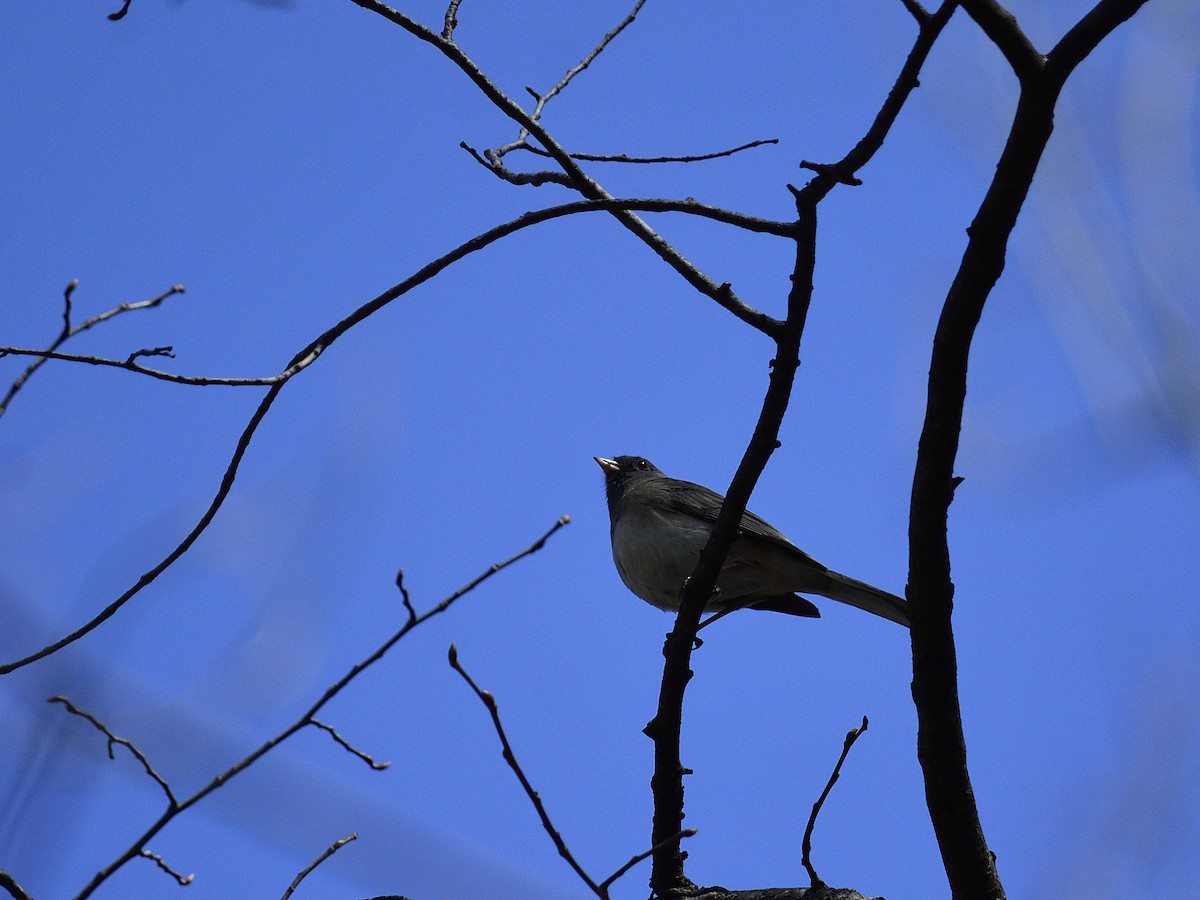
[609, 466]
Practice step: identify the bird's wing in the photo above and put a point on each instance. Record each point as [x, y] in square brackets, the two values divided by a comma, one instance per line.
[699, 502]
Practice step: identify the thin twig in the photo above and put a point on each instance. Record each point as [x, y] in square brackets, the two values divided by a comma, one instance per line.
[646, 160]
[412, 613]
[167, 351]
[136, 849]
[365, 757]
[120, 13]
[806, 847]
[69, 331]
[543, 99]
[509, 757]
[158, 861]
[113, 739]
[844, 170]
[329, 851]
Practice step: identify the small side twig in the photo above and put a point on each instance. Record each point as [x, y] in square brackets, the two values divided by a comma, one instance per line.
[345, 744]
[806, 848]
[167, 351]
[329, 851]
[113, 739]
[158, 861]
[450, 20]
[607, 882]
[919, 12]
[412, 613]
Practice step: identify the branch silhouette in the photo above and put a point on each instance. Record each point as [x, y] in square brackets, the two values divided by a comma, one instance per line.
[413, 620]
[315, 348]
[941, 744]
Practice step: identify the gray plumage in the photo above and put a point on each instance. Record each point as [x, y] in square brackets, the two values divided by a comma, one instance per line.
[659, 526]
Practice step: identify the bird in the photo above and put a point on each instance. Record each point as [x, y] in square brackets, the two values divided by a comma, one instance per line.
[659, 525]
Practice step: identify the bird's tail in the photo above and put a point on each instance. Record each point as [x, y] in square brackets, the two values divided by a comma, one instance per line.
[872, 599]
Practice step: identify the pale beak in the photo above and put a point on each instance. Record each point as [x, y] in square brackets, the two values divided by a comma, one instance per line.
[609, 466]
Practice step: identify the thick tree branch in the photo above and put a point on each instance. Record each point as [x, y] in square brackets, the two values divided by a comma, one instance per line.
[1086, 35]
[667, 782]
[1002, 30]
[14, 890]
[941, 746]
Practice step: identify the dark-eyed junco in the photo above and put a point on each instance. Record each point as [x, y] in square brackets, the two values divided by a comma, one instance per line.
[659, 525]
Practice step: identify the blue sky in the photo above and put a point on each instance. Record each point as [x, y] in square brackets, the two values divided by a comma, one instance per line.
[287, 162]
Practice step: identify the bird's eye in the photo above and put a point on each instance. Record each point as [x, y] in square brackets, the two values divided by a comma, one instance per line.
[641, 463]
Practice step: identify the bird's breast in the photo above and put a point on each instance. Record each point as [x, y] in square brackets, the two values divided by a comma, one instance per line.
[655, 551]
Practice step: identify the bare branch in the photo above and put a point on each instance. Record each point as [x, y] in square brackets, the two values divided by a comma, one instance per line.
[843, 171]
[67, 292]
[543, 99]
[1002, 29]
[365, 757]
[667, 781]
[329, 851]
[509, 757]
[579, 179]
[806, 846]
[120, 13]
[130, 365]
[494, 165]
[722, 293]
[451, 20]
[920, 13]
[149, 351]
[113, 739]
[69, 332]
[941, 744]
[1087, 34]
[309, 717]
[14, 890]
[646, 160]
[646, 854]
[158, 861]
